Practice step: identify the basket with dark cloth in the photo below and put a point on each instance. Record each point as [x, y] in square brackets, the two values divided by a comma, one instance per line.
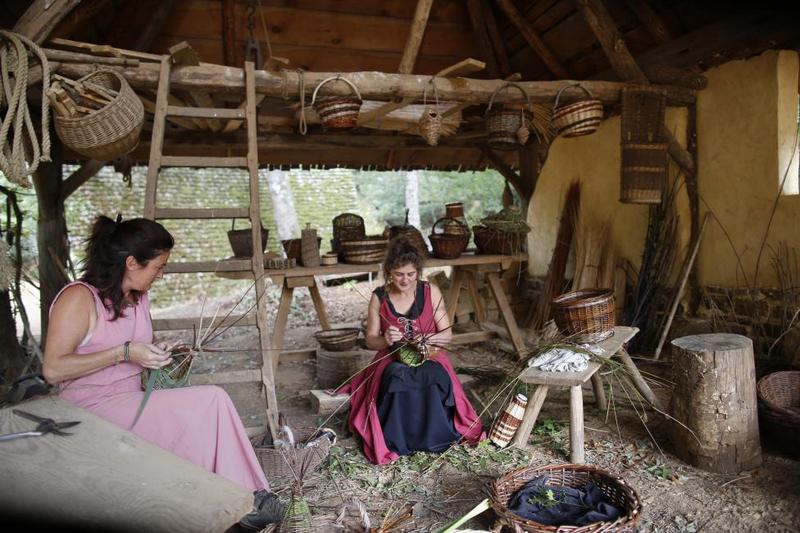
[569, 497]
[779, 408]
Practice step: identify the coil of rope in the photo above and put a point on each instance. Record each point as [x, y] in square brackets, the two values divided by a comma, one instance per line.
[14, 162]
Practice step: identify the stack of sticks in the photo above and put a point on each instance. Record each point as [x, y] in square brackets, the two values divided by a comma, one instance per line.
[72, 99]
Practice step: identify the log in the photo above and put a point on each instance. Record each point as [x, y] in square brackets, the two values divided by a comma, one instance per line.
[41, 17]
[675, 76]
[481, 31]
[539, 46]
[105, 478]
[715, 398]
[418, 25]
[371, 85]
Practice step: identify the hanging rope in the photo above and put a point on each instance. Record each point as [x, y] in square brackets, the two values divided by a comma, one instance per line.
[13, 158]
[301, 89]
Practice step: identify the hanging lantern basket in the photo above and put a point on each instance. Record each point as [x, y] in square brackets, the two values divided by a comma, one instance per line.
[337, 112]
[430, 123]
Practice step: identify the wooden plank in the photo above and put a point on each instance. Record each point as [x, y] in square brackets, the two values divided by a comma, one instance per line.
[150, 106]
[533, 39]
[44, 478]
[171, 324]
[505, 312]
[323, 403]
[229, 18]
[456, 282]
[477, 299]
[202, 162]
[92, 48]
[481, 31]
[472, 336]
[157, 139]
[414, 41]
[205, 112]
[85, 172]
[228, 377]
[227, 265]
[279, 326]
[201, 213]
[41, 17]
[558, 379]
[319, 305]
[599, 392]
[300, 281]
[372, 85]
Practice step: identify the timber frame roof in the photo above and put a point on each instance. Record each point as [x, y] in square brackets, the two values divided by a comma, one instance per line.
[547, 42]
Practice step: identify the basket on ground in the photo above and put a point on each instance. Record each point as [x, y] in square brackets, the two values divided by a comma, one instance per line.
[578, 118]
[587, 314]
[448, 245]
[619, 494]
[113, 130]
[338, 339]
[278, 463]
[779, 408]
[337, 112]
[242, 240]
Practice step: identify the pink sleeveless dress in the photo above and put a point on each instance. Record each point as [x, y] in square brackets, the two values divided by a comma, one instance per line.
[364, 388]
[198, 423]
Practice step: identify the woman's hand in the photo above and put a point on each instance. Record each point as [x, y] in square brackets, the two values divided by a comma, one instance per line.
[149, 355]
[392, 335]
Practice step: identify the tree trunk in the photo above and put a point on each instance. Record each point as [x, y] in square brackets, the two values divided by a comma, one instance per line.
[51, 232]
[715, 398]
[412, 197]
[12, 356]
[280, 190]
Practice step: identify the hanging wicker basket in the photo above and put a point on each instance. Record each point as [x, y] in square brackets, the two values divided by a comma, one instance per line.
[448, 245]
[337, 112]
[430, 123]
[508, 124]
[242, 240]
[109, 132]
[643, 173]
[578, 118]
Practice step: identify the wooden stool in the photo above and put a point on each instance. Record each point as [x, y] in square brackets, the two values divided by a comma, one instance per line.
[544, 380]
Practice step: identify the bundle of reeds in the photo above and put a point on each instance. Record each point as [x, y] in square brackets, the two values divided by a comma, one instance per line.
[594, 254]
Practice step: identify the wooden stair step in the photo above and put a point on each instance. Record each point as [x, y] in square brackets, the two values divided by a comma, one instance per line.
[204, 112]
[201, 213]
[188, 161]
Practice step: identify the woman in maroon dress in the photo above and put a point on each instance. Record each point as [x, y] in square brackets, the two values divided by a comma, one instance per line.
[399, 409]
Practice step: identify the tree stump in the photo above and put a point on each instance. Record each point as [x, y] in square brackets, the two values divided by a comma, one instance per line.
[715, 397]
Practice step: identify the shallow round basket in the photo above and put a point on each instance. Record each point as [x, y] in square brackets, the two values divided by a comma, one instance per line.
[338, 339]
[587, 315]
[328, 259]
[779, 408]
[278, 463]
[110, 132]
[618, 492]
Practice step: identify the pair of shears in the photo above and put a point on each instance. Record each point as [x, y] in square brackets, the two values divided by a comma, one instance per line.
[44, 426]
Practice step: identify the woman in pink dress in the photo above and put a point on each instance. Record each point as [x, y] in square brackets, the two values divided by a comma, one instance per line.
[100, 337]
[399, 409]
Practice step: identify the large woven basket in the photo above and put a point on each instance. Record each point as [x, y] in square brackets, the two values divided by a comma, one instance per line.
[619, 493]
[346, 227]
[242, 240]
[337, 339]
[109, 132]
[779, 408]
[579, 118]
[644, 173]
[364, 251]
[586, 315]
[448, 245]
[337, 112]
[278, 463]
[494, 241]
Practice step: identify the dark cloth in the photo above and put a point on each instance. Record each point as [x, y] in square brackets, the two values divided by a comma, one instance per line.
[416, 407]
[577, 507]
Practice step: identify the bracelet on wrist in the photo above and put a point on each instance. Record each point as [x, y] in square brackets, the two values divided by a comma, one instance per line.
[126, 355]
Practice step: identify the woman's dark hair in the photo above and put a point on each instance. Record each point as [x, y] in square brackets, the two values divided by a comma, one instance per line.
[400, 253]
[109, 246]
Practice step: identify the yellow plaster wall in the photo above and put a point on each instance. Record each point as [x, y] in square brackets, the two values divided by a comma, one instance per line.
[595, 159]
[746, 121]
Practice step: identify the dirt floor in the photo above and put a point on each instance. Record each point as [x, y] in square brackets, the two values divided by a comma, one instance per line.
[440, 488]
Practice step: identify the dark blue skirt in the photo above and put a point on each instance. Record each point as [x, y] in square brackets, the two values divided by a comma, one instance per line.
[416, 407]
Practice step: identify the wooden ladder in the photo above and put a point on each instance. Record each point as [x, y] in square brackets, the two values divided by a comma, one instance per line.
[158, 160]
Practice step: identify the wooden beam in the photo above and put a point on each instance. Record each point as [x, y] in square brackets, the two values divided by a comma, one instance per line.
[84, 173]
[604, 28]
[229, 32]
[481, 30]
[523, 189]
[542, 50]
[650, 20]
[155, 23]
[78, 17]
[497, 40]
[182, 54]
[418, 24]
[372, 85]
[41, 18]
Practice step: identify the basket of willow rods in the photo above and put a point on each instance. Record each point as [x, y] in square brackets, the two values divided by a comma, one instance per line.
[282, 462]
[174, 375]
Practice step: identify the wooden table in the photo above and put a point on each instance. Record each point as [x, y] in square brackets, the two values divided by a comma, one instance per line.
[466, 268]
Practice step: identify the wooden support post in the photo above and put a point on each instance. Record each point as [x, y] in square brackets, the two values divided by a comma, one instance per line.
[456, 281]
[418, 24]
[319, 305]
[542, 50]
[524, 189]
[576, 455]
[529, 418]
[475, 296]
[496, 289]
[229, 32]
[714, 403]
[481, 31]
[157, 139]
[599, 392]
[279, 326]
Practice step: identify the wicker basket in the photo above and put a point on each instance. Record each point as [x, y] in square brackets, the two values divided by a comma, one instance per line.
[494, 241]
[367, 250]
[242, 240]
[369, 257]
[779, 408]
[644, 173]
[109, 132]
[508, 124]
[412, 235]
[278, 463]
[587, 314]
[346, 227]
[328, 259]
[338, 339]
[448, 245]
[578, 118]
[642, 113]
[337, 112]
[334, 368]
[619, 493]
